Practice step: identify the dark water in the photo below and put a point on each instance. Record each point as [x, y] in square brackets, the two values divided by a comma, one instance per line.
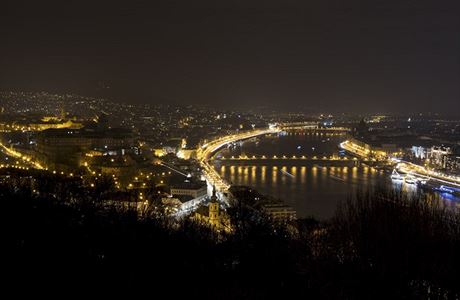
[313, 188]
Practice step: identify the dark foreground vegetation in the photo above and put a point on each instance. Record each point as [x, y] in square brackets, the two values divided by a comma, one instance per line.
[378, 246]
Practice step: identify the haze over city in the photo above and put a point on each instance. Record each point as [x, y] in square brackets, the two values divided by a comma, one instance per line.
[360, 56]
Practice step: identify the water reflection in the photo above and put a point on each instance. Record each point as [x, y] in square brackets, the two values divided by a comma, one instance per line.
[354, 174]
[312, 188]
[274, 174]
[263, 174]
[294, 171]
[303, 174]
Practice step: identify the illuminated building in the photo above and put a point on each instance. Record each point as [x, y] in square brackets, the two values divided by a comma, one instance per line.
[213, 215]
[32, 123]
[67, 147]
[174, 145]
[438, 156]
[453, 163]
[279, 212]
[194, 190]
[419, 152]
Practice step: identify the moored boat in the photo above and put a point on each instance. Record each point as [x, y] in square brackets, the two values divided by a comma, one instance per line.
[396, 176]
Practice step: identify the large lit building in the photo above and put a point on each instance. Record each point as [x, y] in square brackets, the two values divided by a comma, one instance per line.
[453, 163]
[193, 190]
[67, 147]
[438, 155]
[419, 152]
[279, 212]
[36, 123]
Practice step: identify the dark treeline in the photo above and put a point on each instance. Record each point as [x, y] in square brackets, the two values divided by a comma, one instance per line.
[378, 246]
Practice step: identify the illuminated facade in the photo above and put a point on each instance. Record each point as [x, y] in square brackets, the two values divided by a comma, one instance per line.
[68, 146]
[280, 212]
[438, 156]
[194, 190]
[419, 152]
[212, 215]
[453, 163]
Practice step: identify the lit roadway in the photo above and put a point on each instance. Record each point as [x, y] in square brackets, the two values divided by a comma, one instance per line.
[362, 152]
[404, 166]
[205, 152]
[16, 154]
[355, 149]
[421, 171]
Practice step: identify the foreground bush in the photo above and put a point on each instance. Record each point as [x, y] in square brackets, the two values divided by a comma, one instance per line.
[378, 246]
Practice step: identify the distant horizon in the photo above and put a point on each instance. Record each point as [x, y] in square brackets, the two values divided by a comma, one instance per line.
[249, 107]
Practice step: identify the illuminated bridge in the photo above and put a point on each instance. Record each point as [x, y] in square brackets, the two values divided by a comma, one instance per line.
[293, 158]
[205, 152]
[311, 126]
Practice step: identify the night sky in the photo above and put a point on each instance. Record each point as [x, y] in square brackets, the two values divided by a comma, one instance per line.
[362, 56]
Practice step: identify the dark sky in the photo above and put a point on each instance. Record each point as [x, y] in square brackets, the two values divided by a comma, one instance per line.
[365, 56]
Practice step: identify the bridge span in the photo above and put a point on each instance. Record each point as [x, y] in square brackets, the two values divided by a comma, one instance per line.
[294, 158]
[206, 151]
[310, 126]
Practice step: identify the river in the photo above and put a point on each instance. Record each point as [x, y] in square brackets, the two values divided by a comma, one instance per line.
[313, 188]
